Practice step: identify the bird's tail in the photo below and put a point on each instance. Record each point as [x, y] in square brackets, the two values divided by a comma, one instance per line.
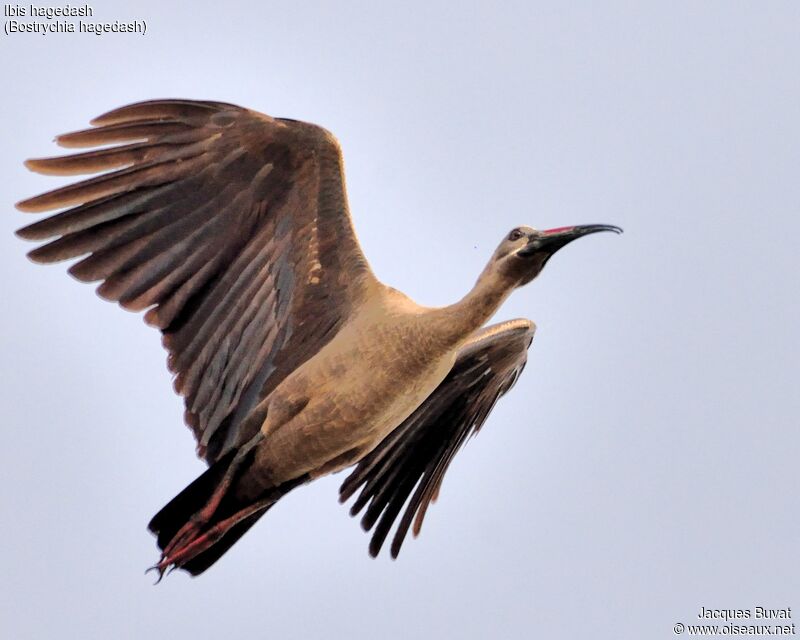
[204, 520]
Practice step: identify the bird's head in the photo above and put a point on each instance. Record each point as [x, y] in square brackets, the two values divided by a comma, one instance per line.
[524, 251]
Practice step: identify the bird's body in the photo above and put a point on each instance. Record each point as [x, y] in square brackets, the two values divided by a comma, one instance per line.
[345, 399]
[232, 228]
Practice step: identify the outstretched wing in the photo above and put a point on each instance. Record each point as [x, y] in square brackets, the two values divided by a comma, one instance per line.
[230, 226]
[418, 452]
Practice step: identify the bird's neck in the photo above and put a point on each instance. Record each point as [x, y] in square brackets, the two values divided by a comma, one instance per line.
[459, 320]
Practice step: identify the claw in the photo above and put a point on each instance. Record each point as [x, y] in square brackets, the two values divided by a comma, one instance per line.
[156, 567]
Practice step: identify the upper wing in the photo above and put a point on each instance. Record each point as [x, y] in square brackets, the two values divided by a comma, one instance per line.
[418, 452]
[230, 225]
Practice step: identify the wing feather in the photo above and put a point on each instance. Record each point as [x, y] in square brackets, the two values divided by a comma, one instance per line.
[230, 227]
[416, 455]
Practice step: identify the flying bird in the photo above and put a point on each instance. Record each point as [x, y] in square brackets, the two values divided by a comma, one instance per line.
[232, 230]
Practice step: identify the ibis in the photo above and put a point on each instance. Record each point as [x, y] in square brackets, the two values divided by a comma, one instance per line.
[231, 230]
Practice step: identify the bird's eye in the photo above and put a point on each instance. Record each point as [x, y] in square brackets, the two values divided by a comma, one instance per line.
[516, 234]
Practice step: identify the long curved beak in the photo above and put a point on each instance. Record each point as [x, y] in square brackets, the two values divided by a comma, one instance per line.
[552, 240]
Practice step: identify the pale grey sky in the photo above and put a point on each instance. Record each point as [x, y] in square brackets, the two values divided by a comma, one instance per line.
[646, 463]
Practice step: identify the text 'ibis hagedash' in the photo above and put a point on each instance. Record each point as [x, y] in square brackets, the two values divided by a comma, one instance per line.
[231, 228]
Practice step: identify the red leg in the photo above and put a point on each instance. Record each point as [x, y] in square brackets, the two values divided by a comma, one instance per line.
[179, 554]
[200, 519]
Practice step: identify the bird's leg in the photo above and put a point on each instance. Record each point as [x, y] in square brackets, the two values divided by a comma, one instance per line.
[201, 518]
[178, 555]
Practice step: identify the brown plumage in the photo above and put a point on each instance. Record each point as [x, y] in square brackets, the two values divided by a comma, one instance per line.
[232, 229]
